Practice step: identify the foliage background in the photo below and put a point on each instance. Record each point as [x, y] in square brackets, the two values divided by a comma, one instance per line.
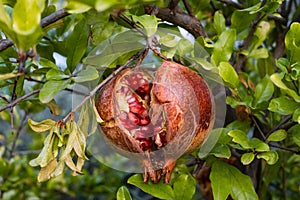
[253, 45]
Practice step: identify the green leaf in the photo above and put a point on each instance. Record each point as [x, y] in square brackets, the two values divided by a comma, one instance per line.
[219, 22]
[223, 48]
[260, 35]
[220, 151]
[247, 158]
[270, 156]
[240, 138]
[159, 190]
[53, 107]
[46, 155]
[259, 145]
[228, 74]
[88, 74]
[168, 40]
[277, 136]
[241, 20]
[42, 126]
[184, 187]
[51, 88]
[77, 43]
[9, 75]
[283, 64]
[296, 115]
[123, 194]
[56, 74]
[263, 90]
[5, 21]
[48, 64]
[26, 23]
[110, 50]
[46, 171]
[259, 53]
[26, 17]
[292, 42]
[283, 105]
[277, 80]
[239, 125]
[149, 22]
[295, 133]
[104, 5]
[77, 7]
[184, 47]
[226, 179]
[210, 143]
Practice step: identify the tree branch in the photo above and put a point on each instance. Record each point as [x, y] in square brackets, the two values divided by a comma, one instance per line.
[6, 43]
[241, 57]
[232, 4]
[16, 101]
[189, 23]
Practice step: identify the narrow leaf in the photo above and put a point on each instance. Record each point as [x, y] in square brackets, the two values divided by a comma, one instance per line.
[159, 190]
[228, 74]
[123, 194]
[88, 74]
[51, 88]
[247, 158]
[278, 135]
[42, 126]
[223, 47]
[184, 187]
[264, 90]
[76, 44]
[277, 80]
[9, 75]
[270, 156]
[240, 138]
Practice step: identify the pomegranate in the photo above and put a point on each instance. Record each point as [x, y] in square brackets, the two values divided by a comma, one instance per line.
[157, 117]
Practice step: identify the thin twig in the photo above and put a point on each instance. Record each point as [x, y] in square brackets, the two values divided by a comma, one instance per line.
[173, 4]
[188, 8]
[16, 101]
[93, 92]
[283, 121]
[241, 57]
[232, 4]
[284, 148]
[18, 132]
[258, 127]
[66, 89]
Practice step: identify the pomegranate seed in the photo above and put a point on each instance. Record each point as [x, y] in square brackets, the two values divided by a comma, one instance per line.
[146, 97]
[139, 75]
[145, 144]
[132, 117]
[138, 109]
[146, 129]
[131, 99]
[144, 121]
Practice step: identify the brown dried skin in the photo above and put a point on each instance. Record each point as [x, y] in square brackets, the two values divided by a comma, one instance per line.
[174, 115]
[174, 74]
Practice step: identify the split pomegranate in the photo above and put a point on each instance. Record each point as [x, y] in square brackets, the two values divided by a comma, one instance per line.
[159, 116]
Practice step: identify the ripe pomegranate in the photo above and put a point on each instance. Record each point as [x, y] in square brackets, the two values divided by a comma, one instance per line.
[156, 117]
